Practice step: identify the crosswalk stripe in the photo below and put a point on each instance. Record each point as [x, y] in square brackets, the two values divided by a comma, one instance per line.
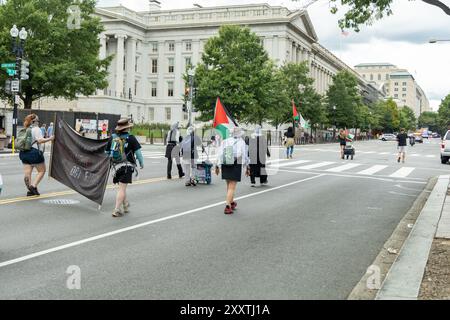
[402, 172]
[285, 164]
[344, 167]
[383, 153]
[373, 169]
[316, 165]
[431, 156]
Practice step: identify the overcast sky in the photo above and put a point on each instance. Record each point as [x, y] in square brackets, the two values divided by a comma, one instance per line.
[401, 39]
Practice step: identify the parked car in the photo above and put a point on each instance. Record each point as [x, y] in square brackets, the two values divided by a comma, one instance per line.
[419, 138]
[445, 148]
[436, 135]
[388, 137]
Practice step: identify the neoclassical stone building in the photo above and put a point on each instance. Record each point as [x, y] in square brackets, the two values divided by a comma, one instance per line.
[152, 50]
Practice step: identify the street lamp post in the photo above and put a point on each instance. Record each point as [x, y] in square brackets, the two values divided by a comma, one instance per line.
[334, 126]
[17, 49]
[191, 74]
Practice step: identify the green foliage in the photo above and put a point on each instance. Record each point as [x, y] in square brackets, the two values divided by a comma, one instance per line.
[388, 116]
[344, 95]
[63, 62]
[236, 68]
[430, 120]
[147, 129]
[407, 118]
[444, 114]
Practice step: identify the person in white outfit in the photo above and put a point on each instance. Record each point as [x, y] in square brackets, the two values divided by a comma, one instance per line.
[231, 157]
[190, 154]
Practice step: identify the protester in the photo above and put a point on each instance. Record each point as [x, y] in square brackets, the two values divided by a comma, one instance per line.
[402, 138]
[44, 130]
[258, 149]
[190, 155]
[50, 130]
[232, 155]
[124, 149]
[289, 142]
[342, 137]
[173, 150]
[33, 158]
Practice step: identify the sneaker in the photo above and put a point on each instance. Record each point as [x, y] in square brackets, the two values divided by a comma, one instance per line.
[228, 210]
[233, 205]
[253, 185]
[398, 160]
[265, 182]
[169, 177]
[126, 207]
[117, 213]
[188, 184]
[30, 194]
[181, 175]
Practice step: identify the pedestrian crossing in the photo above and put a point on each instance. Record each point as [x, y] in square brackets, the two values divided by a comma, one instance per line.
[359, 152]
[363, 169]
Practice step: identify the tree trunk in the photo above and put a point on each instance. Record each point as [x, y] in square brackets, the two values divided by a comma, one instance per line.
[28, 101]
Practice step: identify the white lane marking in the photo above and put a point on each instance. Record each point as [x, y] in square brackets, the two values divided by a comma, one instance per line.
[275, 160]
[383, 153]
[144, 224]
[403, 194]
[316, 165]
[372, 170]
[431, 156]
[369, 152]
[286, 164]
[402, 172]
[414, 155]
[344, 167]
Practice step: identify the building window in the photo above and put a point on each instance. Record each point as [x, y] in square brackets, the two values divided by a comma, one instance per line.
[151, 114]
[379, 76]
[396, 83]
[171, 65]
[395, 89]
[170, 89]
[154, 65]
[188, 46]
[188, 61]
[404, 95]
[136, 65]
[154, 47]
[172, 46]
[387, 77]
[404, 83]
[154, 89]
[395, 95]
[136, 84]
[403, 89]
[168, 114]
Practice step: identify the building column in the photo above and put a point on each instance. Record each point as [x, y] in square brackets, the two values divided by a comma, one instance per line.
[130, 63]
[119, 63]
[102, 55]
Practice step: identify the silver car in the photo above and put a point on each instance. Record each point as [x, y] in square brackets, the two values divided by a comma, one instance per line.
[445, 148]
[388, 137]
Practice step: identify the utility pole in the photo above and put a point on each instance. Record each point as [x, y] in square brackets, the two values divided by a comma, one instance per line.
[191, 73]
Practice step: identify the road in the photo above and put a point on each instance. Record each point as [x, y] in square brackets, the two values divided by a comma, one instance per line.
[310, 234]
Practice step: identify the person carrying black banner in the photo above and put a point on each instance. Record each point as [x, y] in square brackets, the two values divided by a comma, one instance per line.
[173, 150]
[123, 149]
[258, 151]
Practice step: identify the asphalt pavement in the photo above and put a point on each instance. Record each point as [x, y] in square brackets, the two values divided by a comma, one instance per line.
[310, 234]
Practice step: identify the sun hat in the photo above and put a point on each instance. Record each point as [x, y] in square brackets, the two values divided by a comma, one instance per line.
[123, 124]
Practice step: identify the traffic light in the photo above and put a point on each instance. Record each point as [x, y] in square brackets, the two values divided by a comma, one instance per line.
[194, 92]
[24, 70]
[184, 107]
[186, 93]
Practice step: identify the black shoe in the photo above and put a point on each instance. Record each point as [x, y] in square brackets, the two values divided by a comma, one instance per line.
[30, 194]
[169, 177]
[35, 191]
[181, 175]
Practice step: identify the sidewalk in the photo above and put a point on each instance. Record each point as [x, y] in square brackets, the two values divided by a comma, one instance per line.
[422, 268]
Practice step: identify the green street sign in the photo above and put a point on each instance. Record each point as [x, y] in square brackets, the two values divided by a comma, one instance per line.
[9, 65]
[11, 72]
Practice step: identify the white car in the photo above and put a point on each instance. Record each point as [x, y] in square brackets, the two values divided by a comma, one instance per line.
[445, 148]
[388, 137]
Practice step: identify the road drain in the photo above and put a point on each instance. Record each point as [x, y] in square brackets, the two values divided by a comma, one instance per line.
[64, 202]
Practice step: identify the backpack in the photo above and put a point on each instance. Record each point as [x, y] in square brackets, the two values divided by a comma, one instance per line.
[23, 141]
[117, 152]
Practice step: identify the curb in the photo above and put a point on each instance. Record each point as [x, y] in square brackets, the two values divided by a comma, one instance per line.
[404, 279]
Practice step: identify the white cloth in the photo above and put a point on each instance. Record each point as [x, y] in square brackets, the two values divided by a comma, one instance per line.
[240, 150]
[175, 135]
[36, 134]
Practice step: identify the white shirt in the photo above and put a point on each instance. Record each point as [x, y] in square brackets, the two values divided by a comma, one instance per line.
[239, 150]
[36, 134]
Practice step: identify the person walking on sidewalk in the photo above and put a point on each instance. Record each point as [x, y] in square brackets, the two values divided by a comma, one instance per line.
[402, 138]
[231, 156]
[190, 155]
[289, 142]
[173, 150]
[123, 149]
[258, 150]
[33, 157]
[342, 137]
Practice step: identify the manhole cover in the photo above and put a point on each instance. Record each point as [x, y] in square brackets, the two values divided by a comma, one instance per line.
[64, 202]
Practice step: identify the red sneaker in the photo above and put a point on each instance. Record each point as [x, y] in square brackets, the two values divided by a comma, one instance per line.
[228, 210]
[233, 205]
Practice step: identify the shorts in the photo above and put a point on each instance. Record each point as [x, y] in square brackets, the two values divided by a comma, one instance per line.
[124, 175]
[32, 157]
[401, 148]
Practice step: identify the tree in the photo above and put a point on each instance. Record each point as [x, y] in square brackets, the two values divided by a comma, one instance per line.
[64, 62]
[366, 11]
[236, 68]
[430, 120]
[344, 95]
[388, 116]
[444, 114]
[407, 118]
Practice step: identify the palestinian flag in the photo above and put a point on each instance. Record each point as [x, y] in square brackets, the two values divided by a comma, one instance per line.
[223, 122]
[295, 113]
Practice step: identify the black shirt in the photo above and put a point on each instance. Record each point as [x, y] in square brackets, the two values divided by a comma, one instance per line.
[132, 145]
[402, 138]
[289, 134]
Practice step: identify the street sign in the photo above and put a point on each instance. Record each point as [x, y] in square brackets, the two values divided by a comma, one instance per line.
[9, 65]
[15, 86]
[11, 72]
[8, 86]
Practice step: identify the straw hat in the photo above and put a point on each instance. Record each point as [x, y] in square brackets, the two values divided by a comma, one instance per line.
[123, 124]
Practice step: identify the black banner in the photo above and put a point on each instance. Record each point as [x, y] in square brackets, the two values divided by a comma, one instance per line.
[79, 163]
